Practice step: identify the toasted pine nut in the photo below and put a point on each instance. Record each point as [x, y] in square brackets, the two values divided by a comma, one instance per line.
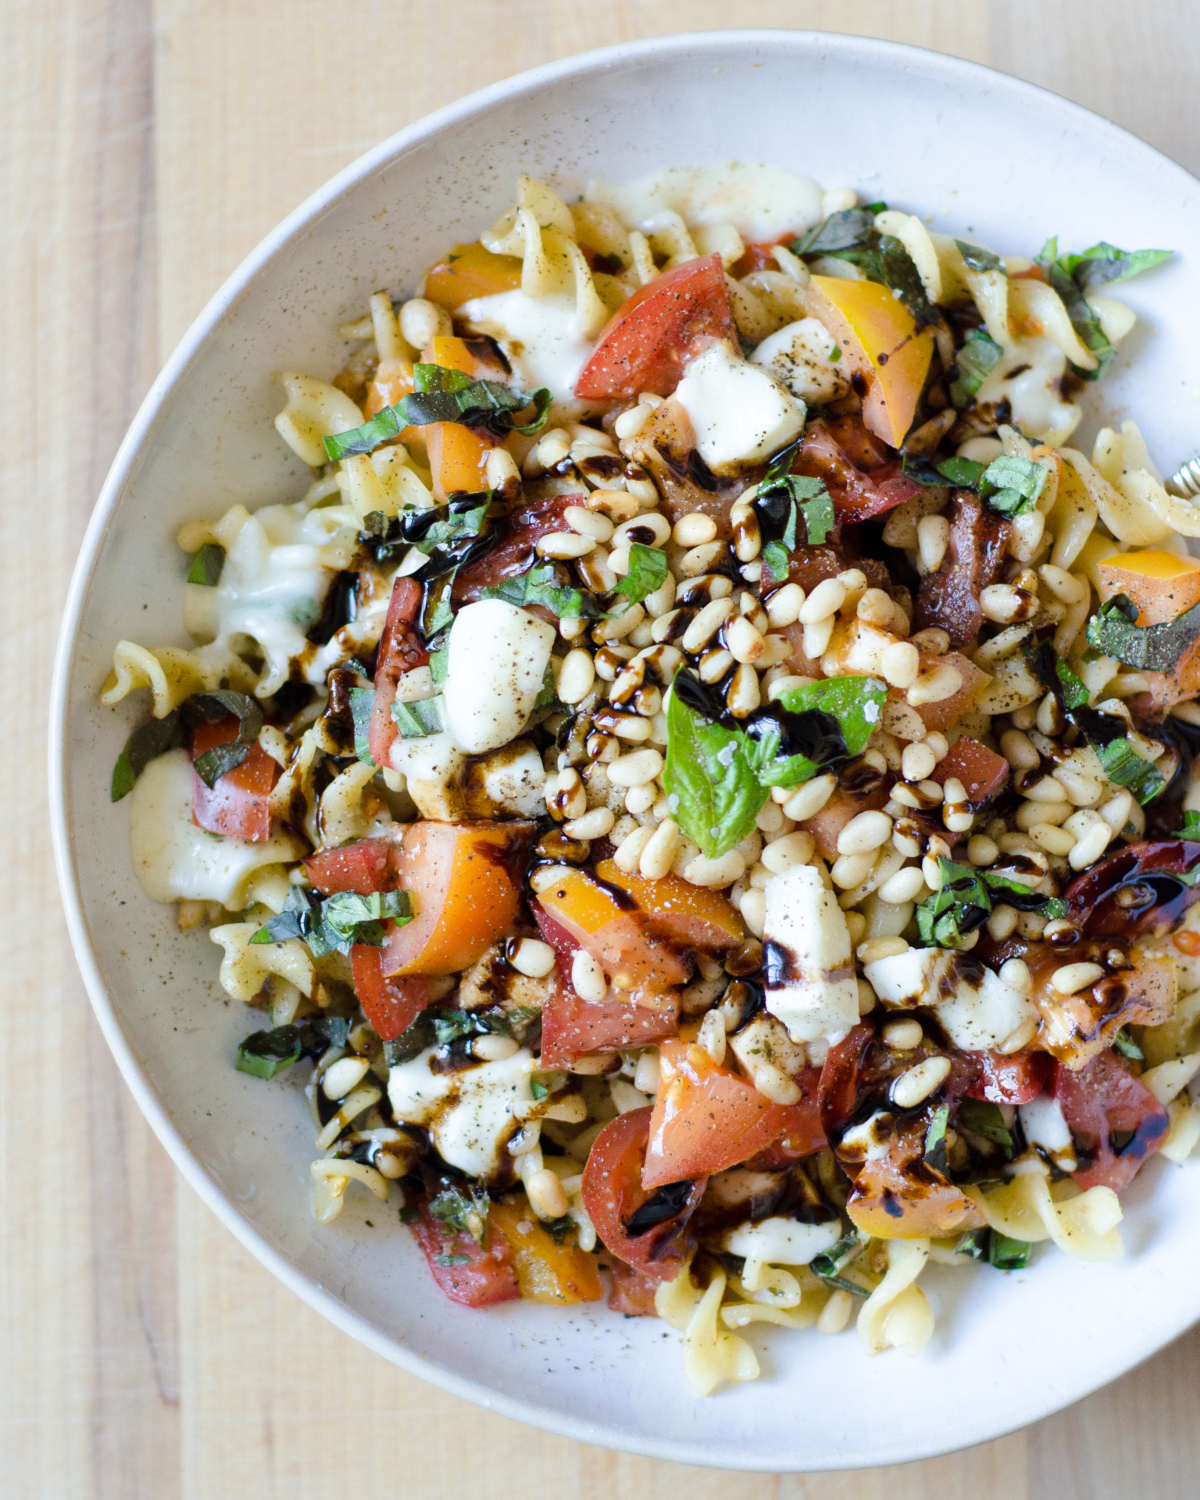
[588, 522]
[499, 467]
[546, 1195]
[933, 536]
[587, 977]
[564, 544]
[809, 799]
[865, 833]
[754, 911]
[706, 624]
[784, 605]
[916, 761]
[1072, 978]
[849, 870]
[1020, 1038]
[577, 676]
[1003, 922]
[650, 529]
[935, 686]
[825, 600]
[532, 957]
[743, 641]
[343, 1076]
[982, 851]
[903, 1036]
[921, 1080]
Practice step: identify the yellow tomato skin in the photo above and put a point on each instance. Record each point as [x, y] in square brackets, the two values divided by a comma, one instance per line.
[470, 271]
[546, 1271]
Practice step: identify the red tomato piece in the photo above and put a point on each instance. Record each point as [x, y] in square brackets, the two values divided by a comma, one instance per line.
[513, 554]
[401, 648]
[572, 1028]
[857, 495]
[633, 1290]
[981, 771]
[363, 868]
[1099, 1102]
[707, 1118]
[468, 1272]
[239, 804]
[613, 1191]
[796, 1144]
[756, 256]
[844, 1069]
[391, 1005]
[647, 343]
[1015, 1079]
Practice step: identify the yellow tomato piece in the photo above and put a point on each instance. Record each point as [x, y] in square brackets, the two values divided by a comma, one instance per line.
[471, 271]
[675, 909]
[1161, 584]
[880, 342]
[546, 1271]
[457, 455]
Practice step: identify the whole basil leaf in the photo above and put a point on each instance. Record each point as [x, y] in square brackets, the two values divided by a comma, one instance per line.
[647, 572]
[712, 787]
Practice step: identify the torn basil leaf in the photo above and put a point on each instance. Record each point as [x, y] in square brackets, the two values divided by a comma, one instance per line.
[362, 705]
[1006, 1253]
[1191, 827]
[935, 1138]
[982, 1117]
[1104, 264]
[840, 231]
[781, 499]
[966, 898]
[976, 258]
[336, 923]
[1127, 1047]
[263, 1054]
[146, 743]
[1146, 648]
[1072, 276]
[711, 782]
[1123, 765]
[973, 1244]
[546, 1081]
[206, 565]
[973, 363]
[444, 395]
[1012, 486]
[541, 586]
[416, 720]
[647, 572]
[881, 258]
[463, 1209]
[855, 703]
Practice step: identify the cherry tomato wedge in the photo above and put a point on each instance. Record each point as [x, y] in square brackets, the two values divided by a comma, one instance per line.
[981, 771]
[240, 803]
[572, 1028]
[401, 648]
[647, 343]
[1015, 1079]
[1114, 1119]
[706, 1118]
[633, 1289]
[363, 867]
[391, 1005]
[469, 1273]
[613, 1192]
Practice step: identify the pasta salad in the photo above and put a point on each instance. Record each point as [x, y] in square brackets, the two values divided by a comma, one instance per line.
[698, 793]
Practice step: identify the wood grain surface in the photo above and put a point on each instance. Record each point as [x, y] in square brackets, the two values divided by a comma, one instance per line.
[147, 146]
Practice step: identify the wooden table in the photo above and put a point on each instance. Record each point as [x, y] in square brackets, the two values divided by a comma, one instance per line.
[148, 145]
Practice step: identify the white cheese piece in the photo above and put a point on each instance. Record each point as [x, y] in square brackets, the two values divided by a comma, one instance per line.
[738, 412]
[539, 336]
[470, 1114]
[1045, 1125]
[761, 202]
[781, 1242]
[806, 357]
[974, 1005]
[871, 1139]
[811, 985]
[494, 672]
[173, 859]
[428, 757]
[1029, 375]
[516, 783]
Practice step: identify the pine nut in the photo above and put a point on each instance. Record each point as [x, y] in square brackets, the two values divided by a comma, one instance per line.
[650, 529]
[773, 1083]
[836, 1313]
[921, 1080]
[587, 977]
[743, 641]
[880, 947]
[716, 873]
[711, 1036]
[629, 853]
[1072, 978]
[933, 537]
[1019, 750]
[700, 559]
[546, 1195]
[631, 422]
[824, 602]
[421, 322]
[564, 544]
[935, 686]
[784, 605]
[646, 1074]
[904, 885]
[754, 911]
[865, 833]
[588, 522]
[660, 601]
[342, 1076]
[493, 1048]
[637, 769]
[787, 852]
[693, 529]
[659, 854]
[499, 468]
[1020, 1038]
[1081, 789]
[1003, 922]
[900, 664]
[618, 628]
[706, 624]
[917, 762]
[982, 851]
[640, 799]
[577, 676]
[1047, 789]
[903, 1036]
[1053, 840]
[809, 799]
[744, 695]
[1015, 973]
[1049, 813]
[850, 870]
[1089, 847]
[1116, 810]
[532, 957]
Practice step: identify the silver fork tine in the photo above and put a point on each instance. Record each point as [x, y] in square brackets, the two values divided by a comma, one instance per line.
[1185, 482]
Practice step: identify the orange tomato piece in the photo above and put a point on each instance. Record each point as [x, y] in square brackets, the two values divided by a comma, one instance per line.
[881, 343]
[679, 912]
[546, 1271]
[393, 381]
[239, 804]
[950, 710]
[981, 771]
[1161, 584]
[899, 1196]
[464, 879]
[457, 455]
[470, 271]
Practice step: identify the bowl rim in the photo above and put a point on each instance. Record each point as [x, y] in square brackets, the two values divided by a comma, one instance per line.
[938, 67]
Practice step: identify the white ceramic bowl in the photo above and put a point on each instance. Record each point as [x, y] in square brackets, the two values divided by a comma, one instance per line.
[978, 152]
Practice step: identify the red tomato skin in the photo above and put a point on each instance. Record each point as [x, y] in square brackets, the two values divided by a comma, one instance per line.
[514, 554]
[981, 771]
[839, 453]
[1099, 1099]
[612, 1190]
[487, 1276]
[572, 1028]
[804, 1139]
[363, 867]
[647, 343]
[837, 1094]
[401, 648]
[391, 1005]
[712, 1121]
[633, 1289]
[239, 804]
[1015, 1079]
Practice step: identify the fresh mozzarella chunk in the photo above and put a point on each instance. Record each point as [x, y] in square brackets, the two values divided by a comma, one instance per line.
[1044, 1125]
[1029, 375]
[810, 973]
[806, 357]
[974, 1005]
[869, 1140]
[539, 336]
[738, 412]
[470, 1114]
[495, 669]
[781, 1242]
[175, 860]
[763, 202]
[514, 779]
[428, 757]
